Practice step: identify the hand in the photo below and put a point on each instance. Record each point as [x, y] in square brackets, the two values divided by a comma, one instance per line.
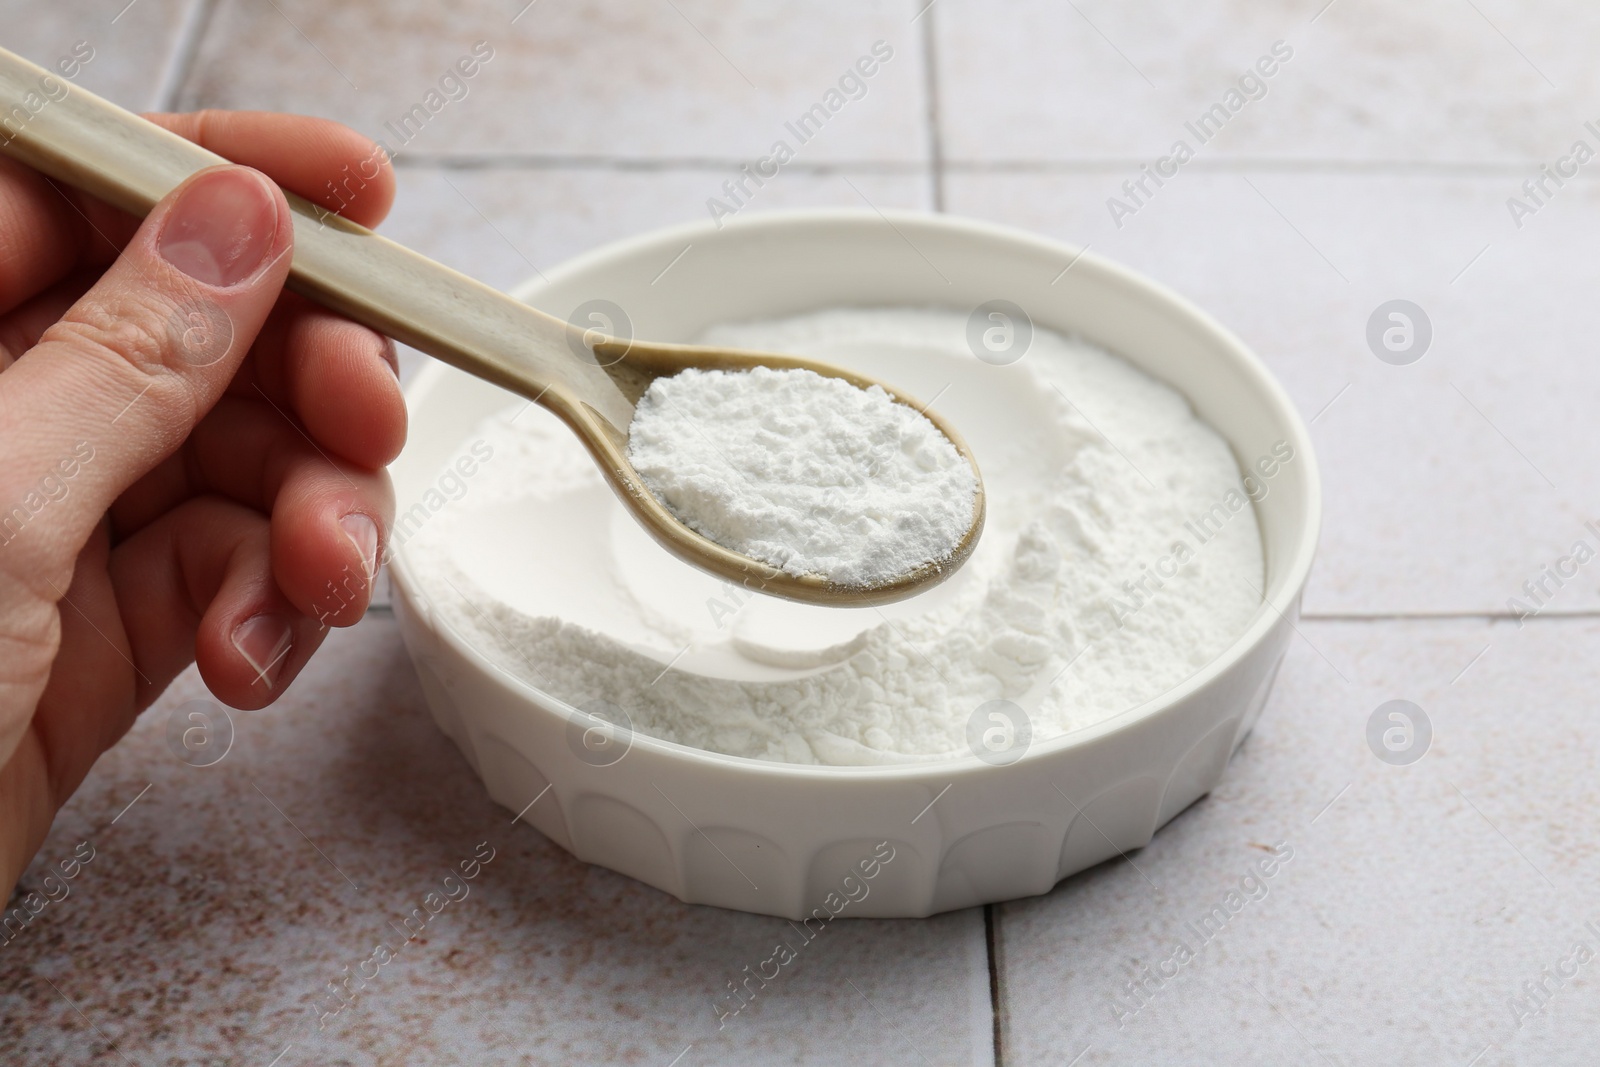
[192, 460]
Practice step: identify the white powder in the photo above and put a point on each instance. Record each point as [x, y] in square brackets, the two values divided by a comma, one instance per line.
[1111, 567]
[810, 474]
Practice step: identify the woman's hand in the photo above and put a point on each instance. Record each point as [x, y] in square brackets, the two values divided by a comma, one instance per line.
[192, 460]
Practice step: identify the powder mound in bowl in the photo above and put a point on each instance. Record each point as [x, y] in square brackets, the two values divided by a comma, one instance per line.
[808, 473]
[1120, 555]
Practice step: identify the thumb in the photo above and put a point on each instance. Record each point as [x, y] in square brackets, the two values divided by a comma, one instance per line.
[116, 386]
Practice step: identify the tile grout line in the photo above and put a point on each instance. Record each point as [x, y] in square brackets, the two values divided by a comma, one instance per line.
[535, 161]
[1106, 165]
[185, 49]
[930, 77]
[992, 945]
[1239, 164]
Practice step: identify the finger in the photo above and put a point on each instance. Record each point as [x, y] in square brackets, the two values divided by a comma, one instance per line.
[197, 586]
[43, 233]
[330, 519]
[317, 366]
[24, 325]
[326, 162]
[328, 530]
[56, 749]
[337, 378]
[29, 799]
[47, 230]
[84, 711]
[119, 382]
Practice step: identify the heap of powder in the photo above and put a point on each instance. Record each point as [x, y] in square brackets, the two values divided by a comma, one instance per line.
[1120, 555]
[810, 474]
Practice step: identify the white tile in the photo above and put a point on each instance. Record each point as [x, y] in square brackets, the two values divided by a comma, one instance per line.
[207, 926]
[382, 593]
[690, 79]
[133, 45]
[1412, 908]
[505, 225]
[1435, 473]
[1430, 80]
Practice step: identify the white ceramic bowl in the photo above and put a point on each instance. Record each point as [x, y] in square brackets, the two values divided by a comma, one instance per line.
[783, 839]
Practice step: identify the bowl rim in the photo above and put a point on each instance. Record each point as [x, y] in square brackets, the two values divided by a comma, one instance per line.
[1278, 598]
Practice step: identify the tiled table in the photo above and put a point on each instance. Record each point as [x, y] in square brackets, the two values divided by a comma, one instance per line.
[1375, 164]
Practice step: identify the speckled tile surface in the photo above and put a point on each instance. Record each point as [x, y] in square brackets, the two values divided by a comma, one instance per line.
[1353, 81]
[130, 49]
[1419, 902]
[504, 225]
[609, 79]
[1416, 900]
[1448, 482]
[218, 908]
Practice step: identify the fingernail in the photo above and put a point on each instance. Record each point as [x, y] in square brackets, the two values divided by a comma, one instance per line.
[390, 355]
[264, 641]
[363, 533]
[222, 227]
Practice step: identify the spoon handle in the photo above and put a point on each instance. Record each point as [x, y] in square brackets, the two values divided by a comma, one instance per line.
[589, 380]
[77, 138]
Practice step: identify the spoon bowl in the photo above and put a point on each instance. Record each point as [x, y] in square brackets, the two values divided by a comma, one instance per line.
[632, 366]
[591, 380]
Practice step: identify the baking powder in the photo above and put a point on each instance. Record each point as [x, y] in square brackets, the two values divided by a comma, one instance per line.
[1089, 593]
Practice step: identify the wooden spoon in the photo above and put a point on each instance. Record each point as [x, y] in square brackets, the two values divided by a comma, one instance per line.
[590, 380]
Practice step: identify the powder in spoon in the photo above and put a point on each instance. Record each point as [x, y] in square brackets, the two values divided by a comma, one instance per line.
[810, 474]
